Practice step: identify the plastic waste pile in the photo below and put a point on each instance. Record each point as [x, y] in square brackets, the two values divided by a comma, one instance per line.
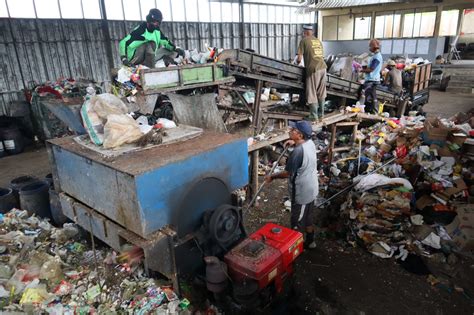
[52, 270]
[110, 123]
[422, 205]
[67, 88]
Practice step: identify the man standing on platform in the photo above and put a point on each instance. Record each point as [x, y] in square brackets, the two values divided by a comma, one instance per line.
[310, 50]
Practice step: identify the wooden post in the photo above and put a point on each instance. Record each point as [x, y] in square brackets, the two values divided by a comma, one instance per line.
[256, 122]
[333, 141]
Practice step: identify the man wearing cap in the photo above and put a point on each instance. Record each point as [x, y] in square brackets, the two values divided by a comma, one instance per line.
[393, 79]
[139, 47]
[372, 77]
[302, 175]
[310, 50]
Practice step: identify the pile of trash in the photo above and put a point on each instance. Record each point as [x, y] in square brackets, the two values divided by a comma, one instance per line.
[67, 88]
[53, 270]
[110, 123]
[422, 204]
[127, 81]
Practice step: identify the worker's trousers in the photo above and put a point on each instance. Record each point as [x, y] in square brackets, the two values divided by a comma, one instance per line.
[145, 55]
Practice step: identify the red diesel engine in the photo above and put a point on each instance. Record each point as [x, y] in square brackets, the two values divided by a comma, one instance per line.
[261, 262]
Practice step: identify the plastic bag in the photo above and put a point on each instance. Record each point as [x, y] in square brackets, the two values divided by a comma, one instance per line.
[166, 123]
[120, 129]
[124, 74]
[107, 104]
[92, 123]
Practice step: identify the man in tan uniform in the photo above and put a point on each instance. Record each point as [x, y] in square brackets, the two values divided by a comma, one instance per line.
[311, 51]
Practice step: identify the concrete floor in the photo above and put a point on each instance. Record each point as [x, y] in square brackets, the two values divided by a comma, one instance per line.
[447, 104]
[31, 162]
[35, 162]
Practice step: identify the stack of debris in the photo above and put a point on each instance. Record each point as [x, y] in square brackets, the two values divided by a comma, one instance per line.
[111, 123]
[421, 205]
[51, 270]
[67, 89]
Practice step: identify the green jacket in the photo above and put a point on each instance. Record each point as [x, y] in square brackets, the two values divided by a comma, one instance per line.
[141, 35]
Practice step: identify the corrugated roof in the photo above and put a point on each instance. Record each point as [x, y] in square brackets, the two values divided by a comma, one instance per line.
[334, 4]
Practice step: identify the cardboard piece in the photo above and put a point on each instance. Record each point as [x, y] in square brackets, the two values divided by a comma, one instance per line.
[424, 201]
[459, 186]
[385, 147]
[461, 229]
[435, 130]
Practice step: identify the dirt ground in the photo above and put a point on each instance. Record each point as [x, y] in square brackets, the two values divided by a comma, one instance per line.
[335, 277]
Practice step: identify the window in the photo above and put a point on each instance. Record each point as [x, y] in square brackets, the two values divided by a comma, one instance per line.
[146, 6]
[235, 12]
[408, 21]
[132, 10]
[47, 9]
[91, 9]
[362, 27]
[419, 24]
[216, 12]
[3, 9]
[467, 26]
[254, 18]
[345, 26]
[71, 9]
[387, 25]
[203, 7]
[113, 8]
[21, 8]
[263, 13]
[448, 25]
[330, 28]
[226, 12]
[286, 15]
[272, 13]
[279, 14]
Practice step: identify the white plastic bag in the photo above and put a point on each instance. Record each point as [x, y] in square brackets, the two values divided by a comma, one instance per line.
[166, 123]
[124, 74]
[120, 129]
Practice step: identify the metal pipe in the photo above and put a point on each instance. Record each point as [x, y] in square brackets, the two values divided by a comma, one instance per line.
[270, 173]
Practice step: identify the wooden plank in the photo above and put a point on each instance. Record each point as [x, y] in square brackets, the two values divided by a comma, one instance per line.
[236, 120]
[327, 120]
[370, 117]
[339, 149]
[347, 123]
[275, 115]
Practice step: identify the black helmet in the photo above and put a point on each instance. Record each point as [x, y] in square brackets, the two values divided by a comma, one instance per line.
[154, 16]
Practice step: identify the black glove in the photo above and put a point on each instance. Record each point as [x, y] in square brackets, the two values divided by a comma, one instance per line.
[180, 51]
[125, 61]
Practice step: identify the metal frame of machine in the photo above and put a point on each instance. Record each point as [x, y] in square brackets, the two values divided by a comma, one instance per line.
[174, 201]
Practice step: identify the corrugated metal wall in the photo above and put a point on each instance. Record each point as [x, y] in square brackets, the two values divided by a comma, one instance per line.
[37, 50]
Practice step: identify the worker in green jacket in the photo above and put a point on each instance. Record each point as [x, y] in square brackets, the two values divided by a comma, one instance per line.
[140, 46]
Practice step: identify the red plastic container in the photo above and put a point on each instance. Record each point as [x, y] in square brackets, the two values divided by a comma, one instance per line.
[289, 242]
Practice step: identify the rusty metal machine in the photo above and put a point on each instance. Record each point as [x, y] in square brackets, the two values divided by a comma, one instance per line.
[173, 200]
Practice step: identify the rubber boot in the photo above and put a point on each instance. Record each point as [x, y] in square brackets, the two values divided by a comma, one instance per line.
[309, 242]
[313, 112]
[321, 107]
